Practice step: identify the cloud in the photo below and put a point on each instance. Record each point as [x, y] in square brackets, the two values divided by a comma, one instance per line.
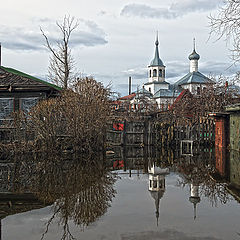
[145, 11]
[18, 38]
[218, 68]
[30, 39]
[176, 9]
[187, 6]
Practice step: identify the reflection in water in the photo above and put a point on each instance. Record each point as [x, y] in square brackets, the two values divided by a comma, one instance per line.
[194, 198]
[157, 184]
[81, 188]
[204, 170]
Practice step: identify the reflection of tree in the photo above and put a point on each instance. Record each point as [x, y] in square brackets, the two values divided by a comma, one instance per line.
[200, 173]
[81, 189]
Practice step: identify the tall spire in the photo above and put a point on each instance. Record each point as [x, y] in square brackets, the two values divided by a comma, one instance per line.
[156, 61]
[194, 44]
[156, 43]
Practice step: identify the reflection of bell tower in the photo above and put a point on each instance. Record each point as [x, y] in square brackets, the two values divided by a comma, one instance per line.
[194, 198]
[157, 185]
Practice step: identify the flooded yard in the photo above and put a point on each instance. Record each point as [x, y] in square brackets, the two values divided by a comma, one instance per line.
[139, 194]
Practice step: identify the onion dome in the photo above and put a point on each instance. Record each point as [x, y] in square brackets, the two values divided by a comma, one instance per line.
[194, 56]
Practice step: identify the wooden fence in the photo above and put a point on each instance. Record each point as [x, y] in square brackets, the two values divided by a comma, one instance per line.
[151, 132]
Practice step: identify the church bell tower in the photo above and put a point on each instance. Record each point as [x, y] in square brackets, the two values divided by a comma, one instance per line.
[156, 69]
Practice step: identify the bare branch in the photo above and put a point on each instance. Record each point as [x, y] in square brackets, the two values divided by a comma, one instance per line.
[227, 25]
[61, 61]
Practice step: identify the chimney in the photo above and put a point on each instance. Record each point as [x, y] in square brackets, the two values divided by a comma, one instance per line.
[130, 85]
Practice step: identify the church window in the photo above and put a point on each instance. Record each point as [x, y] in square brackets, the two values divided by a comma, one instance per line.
[149, 89]
[154, 183]
[150, 73]
[154, 72]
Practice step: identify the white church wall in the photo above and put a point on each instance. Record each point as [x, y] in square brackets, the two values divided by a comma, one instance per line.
[164, 103]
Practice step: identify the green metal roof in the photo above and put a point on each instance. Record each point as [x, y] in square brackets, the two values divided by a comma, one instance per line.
[16, 72]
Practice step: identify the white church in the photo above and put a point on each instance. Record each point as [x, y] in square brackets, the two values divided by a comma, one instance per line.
[158, 90]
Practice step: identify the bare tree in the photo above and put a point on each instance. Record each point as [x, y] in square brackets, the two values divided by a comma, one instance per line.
[227, 24]
[61, 60]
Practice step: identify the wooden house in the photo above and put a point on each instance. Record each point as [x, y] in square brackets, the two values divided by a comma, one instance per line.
[20, 91]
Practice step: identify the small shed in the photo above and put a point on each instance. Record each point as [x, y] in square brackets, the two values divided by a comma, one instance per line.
[234, 111]
[221, 120]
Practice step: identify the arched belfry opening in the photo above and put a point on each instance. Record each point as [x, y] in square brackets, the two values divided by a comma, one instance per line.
[154, 72]
[160, 73]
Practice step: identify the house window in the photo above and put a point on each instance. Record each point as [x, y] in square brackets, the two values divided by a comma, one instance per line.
[27, 103]
[154, 72]
[6, 107]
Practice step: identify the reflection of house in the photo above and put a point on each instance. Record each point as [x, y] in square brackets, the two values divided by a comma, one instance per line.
[20, 91]
[11, 203]
[12, 200]
[157, 184]
[235, 168]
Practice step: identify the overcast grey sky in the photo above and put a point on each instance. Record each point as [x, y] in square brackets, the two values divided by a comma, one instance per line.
[115, 39]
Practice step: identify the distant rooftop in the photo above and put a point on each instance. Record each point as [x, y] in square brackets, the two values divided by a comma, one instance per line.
[194, 77]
